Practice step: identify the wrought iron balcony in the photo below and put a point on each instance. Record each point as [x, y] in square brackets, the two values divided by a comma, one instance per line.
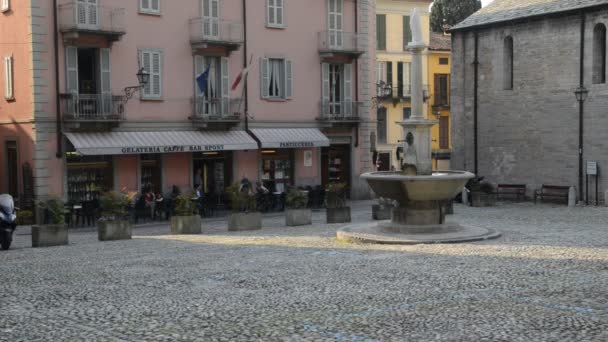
[216, 109]
[77, 18]
[214, 34]
[341, 111]
[92, 107]
[332, 43]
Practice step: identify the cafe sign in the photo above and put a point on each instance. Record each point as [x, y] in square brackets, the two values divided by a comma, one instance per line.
[171, 149]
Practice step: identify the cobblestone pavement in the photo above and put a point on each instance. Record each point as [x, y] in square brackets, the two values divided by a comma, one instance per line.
[546, 279]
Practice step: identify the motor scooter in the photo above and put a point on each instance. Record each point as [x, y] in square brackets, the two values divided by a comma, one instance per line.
[8, 220]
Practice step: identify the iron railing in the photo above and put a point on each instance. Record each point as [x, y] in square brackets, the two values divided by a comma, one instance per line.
[217, 109]
[339, 110]
[93, 107]
[215, 30]
[89, 17]
[339, 41]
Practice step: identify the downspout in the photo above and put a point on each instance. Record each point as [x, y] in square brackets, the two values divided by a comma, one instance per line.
[475, 103]
[245, 65]
[581, 109]
[356, 72]
[59, 153]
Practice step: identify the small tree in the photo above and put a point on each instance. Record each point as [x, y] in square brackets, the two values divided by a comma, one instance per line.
[240, 200]
[55, 208]
[113, 206]
[296, 199]
[184, 206]
[451, 12]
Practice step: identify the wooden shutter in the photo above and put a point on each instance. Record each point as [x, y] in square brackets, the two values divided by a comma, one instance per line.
[348, 90]
[444, 132]
[225, 88]
[389, 73]
[437, 90]
[157, 86]
[407, 31]
[264, 77]
[381, 32]
[9, 93]
[400, 78]
[288, 78]
[71, 66]
[325, 86]
[106, 88]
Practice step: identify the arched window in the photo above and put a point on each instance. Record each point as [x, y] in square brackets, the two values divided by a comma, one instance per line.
[508, 63]
[599, 54]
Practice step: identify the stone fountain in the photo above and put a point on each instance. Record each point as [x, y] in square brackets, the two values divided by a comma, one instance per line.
[420, 192]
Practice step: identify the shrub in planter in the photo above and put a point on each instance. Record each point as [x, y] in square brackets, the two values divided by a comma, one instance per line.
[54, 232]
[337, 211]
[244, 214]
[114, 222]
[25, 218]
[483, 194]
[297, 214]
[186, 219]
[382, 210]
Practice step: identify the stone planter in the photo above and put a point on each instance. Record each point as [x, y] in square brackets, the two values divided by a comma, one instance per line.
[381, 212]
[49, 235]
[113, 230]
[338, 215]
[244, 221]
[298, 217]
[186, 225]
[482, 199]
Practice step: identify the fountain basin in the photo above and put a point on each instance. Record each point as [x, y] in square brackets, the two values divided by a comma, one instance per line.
[441, 185]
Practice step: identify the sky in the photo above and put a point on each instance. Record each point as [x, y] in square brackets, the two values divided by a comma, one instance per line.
[485, 2]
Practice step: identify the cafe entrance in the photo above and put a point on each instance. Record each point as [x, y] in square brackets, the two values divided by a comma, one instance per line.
[335, 161]
[215, 170]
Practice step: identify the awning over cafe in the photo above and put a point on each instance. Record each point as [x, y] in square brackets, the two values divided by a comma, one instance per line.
[290, 137]
[100, 143]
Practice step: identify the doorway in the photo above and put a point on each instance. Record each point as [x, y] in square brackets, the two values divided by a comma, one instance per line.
[12, 172]
[215, 170]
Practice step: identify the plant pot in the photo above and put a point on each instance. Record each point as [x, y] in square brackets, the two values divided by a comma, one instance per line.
[113, 230]
[298, 217]
[49, 235]
[244, 221]
[186, 225]
[448, 207]
[482, 199]
[338, 215]
[381, 212]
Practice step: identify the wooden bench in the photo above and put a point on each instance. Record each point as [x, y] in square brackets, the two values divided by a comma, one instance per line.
[519, 190]
[552, 192]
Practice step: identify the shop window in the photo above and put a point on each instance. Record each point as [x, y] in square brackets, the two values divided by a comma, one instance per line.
[88, 176]
[336, 164]
[151, 170]
[213, 170]
[277, 169]
[599, 54]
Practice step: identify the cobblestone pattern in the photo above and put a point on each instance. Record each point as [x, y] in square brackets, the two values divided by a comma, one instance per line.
[544, 280]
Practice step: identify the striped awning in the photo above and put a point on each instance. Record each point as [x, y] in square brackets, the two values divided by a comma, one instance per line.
[290, 137]
[111, 143]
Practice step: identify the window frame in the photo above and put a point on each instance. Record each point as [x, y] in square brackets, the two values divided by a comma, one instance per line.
[143, 95]
[150, 10]
[286, 80]
[598, 64]
[378, 47]
[9, 78]
[275, 9]
[382, 124]
[5, 6]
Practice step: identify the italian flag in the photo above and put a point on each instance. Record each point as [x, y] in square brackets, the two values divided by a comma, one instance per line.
[242, 75]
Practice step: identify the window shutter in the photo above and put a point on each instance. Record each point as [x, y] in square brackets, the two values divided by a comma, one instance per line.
[157, 75]
[71, 64]
[9, 93]
[288, 78]
[348, 89]
[407, 32]
[325, 87]
[92, 8]
[264, 77]
[145, 63]
[225, 85]
[437, 90]
[106, 88]
[381, 32]
[6, 5]
[389, 73]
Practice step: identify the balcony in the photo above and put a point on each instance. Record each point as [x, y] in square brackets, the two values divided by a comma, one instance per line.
[78, 19]
[215, 37]
[338, 45]
[79, 109]
[340, 112]
[216, 110]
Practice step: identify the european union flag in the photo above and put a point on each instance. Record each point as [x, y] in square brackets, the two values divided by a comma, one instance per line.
[202, 80]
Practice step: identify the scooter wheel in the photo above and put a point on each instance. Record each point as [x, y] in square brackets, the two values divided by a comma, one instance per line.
[6, 240]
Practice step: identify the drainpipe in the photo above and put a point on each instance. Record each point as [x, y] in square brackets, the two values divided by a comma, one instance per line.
[475, 103]
[356, 72]
[59, 153]
[581, 109]
[245, 65]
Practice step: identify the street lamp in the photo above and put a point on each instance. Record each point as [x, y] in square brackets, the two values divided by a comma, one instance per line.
[581, 93]
[143, 77]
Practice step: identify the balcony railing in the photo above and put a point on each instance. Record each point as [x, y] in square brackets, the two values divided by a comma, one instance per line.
[92, 107]
[341, 42]
[339, 111]
[77, 16]
[211, 30]
[217, 109]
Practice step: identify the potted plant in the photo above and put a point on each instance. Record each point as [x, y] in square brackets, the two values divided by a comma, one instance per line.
[25, 218]
[114, 223]
[297, 214]
[483, 194]
[186, 219]
[337, 211]
[54, 232]
[244, 214]
[382, 210]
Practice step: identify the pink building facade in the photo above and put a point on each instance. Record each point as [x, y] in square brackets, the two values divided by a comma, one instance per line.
[303, 117]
